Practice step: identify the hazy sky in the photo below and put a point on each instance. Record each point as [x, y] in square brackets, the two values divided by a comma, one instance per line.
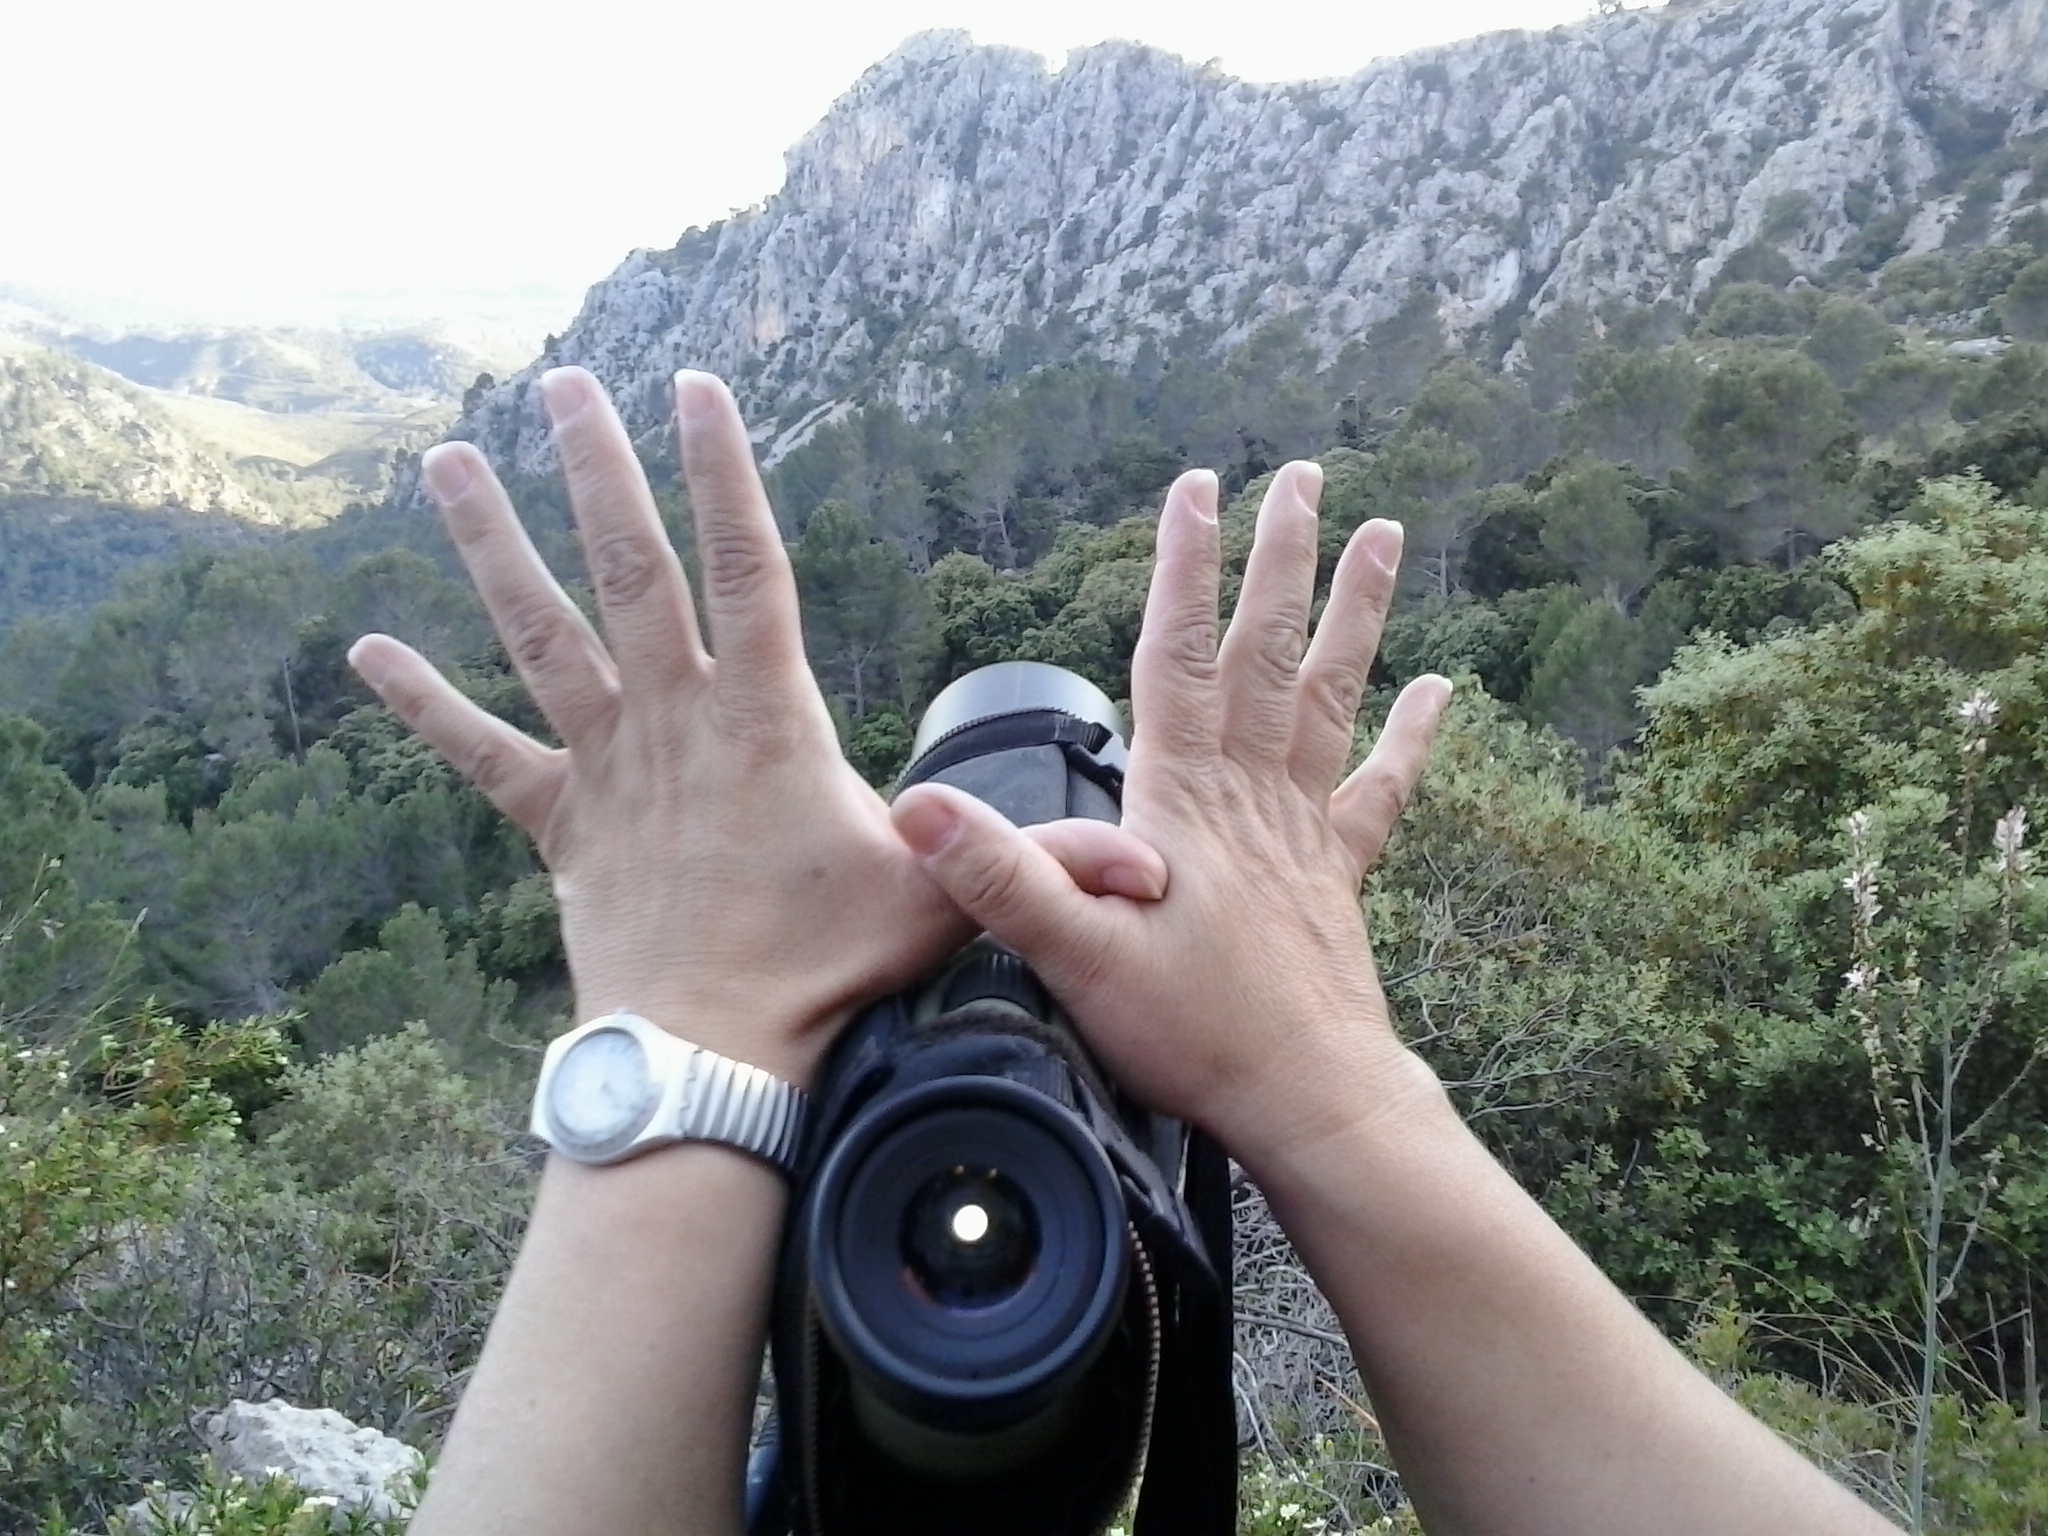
[251, 157]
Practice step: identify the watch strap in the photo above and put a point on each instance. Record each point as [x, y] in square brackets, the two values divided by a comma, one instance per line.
[695, 1095]
[740, 1106]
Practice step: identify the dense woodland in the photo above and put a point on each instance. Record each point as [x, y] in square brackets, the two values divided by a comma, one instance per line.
[1715, 907]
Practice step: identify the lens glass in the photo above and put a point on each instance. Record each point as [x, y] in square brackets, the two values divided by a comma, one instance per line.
[970, 1238]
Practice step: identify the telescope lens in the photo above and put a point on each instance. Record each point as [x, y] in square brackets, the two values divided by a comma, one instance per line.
[970, 1238]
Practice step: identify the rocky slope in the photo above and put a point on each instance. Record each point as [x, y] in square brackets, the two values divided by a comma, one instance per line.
[961, 197]
[68, 429]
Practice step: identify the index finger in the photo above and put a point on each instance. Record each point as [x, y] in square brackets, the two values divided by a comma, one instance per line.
[749, 591]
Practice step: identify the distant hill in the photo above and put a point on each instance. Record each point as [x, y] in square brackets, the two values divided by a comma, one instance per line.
[123, 445]
[292, 371]
[73, 431]
[99, 473]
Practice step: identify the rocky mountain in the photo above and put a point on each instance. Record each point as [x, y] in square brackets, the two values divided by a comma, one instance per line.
[68, 429]
[963, 211]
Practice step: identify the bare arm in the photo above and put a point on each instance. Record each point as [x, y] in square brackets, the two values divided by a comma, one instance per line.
[722, 872]
[1521, 1392]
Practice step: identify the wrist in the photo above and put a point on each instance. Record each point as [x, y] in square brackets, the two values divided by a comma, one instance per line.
[1327, 1105]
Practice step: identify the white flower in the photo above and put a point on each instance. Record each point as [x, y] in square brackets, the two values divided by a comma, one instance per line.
[2008, 837]
[1979, 711]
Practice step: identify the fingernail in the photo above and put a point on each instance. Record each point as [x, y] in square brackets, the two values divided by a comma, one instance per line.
[446, 469]
[1132, 881]
[696, 395]
[928, 824]
[566, 392]
[1308, 482]
[1382, 537]
[1203, 489]
[363, 657]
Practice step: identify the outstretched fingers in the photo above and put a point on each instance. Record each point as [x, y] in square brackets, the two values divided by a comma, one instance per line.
[1339, 661]
[553, 647]
[750, 599]
[514, 772]
[1368, 803]
[1262, 651]
[642, 594]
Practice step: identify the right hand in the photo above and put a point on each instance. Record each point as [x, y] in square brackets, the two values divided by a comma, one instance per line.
[1246, 1000]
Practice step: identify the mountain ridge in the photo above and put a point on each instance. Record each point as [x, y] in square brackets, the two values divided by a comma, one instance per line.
[965, 211]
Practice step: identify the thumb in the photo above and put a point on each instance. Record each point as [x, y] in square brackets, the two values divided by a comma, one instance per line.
[1102, 858]
[1015, 889]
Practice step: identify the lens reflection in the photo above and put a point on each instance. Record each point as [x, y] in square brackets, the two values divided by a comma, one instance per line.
[969, 1238]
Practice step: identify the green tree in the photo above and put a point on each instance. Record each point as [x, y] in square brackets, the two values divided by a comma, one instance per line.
[1847, 339]
[1766, 434]
[2024, 306]
[2013, 388]
[404, 595]
[978, 616]
[1591, 526]
[860, 606]
[1906, 397]
[1753, 309]
[234, 651]
[414, 975]
[61, 957]
[1632, 408]
[1551, 349]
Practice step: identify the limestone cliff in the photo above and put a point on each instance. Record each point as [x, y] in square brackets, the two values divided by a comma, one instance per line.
[958, 197]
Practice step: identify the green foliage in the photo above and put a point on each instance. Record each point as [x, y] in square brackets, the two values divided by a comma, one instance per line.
[60, 956]
[1906, 396]
[229, 1506]
[1774, 744]
[1848, 338]
[2024, 305]
[1763, 434]
[1632, 408]
[859, 601]
[2014, 386]
[90, 1135]
[1753, 309]
[1592, 528]
[346, 1249]
[410, 977]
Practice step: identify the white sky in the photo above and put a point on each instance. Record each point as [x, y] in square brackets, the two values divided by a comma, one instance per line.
[253, 159]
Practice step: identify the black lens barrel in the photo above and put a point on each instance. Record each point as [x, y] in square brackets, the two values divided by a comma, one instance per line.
[968, 1335]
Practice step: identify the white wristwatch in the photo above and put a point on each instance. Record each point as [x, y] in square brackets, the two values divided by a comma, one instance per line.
[619, 1086]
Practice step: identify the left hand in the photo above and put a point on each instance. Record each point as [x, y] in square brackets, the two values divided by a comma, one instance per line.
[720, 868]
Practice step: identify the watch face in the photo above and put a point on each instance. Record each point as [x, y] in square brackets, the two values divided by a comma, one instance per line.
[602, 1092]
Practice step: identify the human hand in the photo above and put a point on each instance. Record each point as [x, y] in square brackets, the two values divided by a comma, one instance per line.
[1250, 989]
[720, 868]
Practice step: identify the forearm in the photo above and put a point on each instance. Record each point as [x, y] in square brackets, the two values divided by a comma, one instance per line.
[615, 1386]
[1518, 1389]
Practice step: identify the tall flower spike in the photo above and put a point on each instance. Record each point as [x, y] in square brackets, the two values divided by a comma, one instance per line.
[1979, 711]
[2008, 838]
